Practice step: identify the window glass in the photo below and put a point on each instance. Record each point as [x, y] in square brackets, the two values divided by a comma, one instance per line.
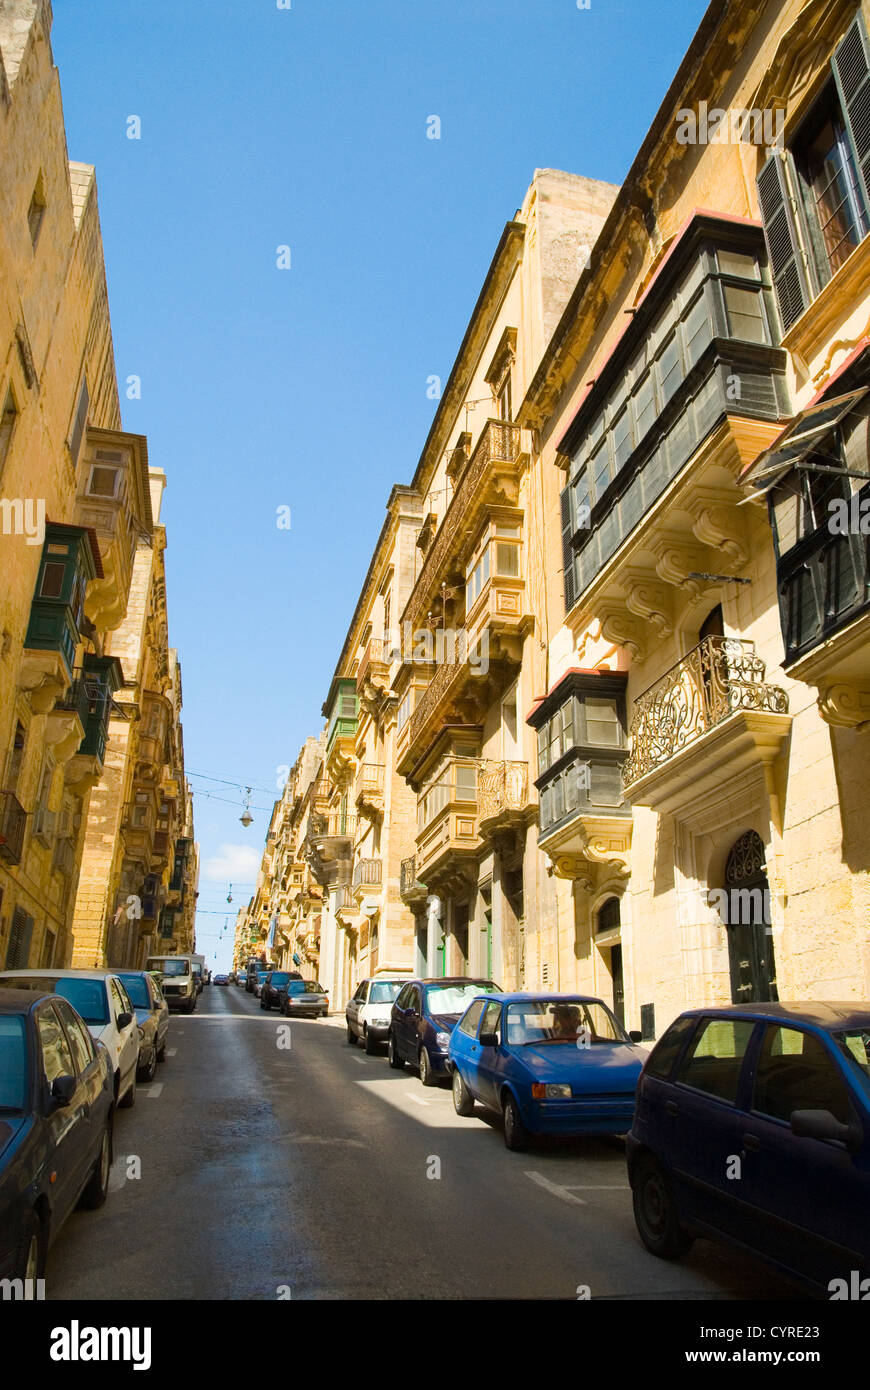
[697, 330]
[466, 782]
[745, 314]
[80, 1039]
[137, 990]
[104, 481]
[622, 439]
[543, 747]
[714, 1060]
[600, 467]
[117, 1001]
[13, 1063]
[454, 999]
[52, 580]
[737, 263]
[384, 991]
[469, 1023]
[605, 784]
[507, 559]
[491, 1018]
[795, 1072]
[855, 1047]
[544, 1021]
[645, 405]
[670, 372]
[602, 721]
[665, 1052]
[57, 1059]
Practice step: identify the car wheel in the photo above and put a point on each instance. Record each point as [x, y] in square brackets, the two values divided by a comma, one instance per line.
[427, 1075]
[655, 1211]
[262, 1002]
[393, 1057]
[161, 1051]
[463, 1100]
[130, 1098]
[97, 1189]
[516, 1136]
[351, 1036]
[30, 1263]
[147, 1073]
[369, 1043]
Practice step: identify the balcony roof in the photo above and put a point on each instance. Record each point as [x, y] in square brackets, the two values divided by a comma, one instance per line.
[580, 677]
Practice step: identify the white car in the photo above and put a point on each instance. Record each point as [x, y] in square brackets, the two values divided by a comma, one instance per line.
[368, 1012]
[104, 1004]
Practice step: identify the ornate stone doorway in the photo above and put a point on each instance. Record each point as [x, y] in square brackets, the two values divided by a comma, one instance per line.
[750, 944]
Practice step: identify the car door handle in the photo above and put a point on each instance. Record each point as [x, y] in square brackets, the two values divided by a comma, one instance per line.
[671, 1107]
[752, 1142]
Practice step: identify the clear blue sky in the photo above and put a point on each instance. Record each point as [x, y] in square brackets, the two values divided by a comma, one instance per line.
[306, 388]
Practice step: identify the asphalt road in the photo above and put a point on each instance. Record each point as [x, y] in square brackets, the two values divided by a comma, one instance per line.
[268, 1172]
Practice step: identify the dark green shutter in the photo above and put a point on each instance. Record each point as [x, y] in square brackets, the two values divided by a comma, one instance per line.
[783, 243]
[567, 548]
[852, 70]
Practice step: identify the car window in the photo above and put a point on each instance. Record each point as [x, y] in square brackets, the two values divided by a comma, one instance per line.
[57, 1059]
[715, 1058]
[361, 992]
[665, 1052]
[14, 1084]
[414, 999]
[491, 1018]
[469, 1023]
[88, 998]
[80, 1038]
[118, 1004]
[795, 1072]
[137, 989]
[455, 998]
[855, 1048]
[405, 995]
[383, 991]
[312, 987]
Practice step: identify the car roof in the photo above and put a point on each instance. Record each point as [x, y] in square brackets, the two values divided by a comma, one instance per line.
[445, 980]
[831, 1015]
[17, 1001]
[51, 973]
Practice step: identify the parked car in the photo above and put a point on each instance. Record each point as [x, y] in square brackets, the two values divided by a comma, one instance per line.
[423, 1017]
[101, 999]
[368, 1012]
[221, 979]
[304, 999]
[152, 1015]
[549, 1063]
[56, 1107]
[255, 967]
[782, 1091]
[275, 988]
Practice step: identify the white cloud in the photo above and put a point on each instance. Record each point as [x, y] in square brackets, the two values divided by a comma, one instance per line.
[234, 864]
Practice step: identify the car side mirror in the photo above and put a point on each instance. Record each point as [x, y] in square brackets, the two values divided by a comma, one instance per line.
[489, 1039]
[123, 1019]
[63, 1088]
[635, 1034]
[821, 1124]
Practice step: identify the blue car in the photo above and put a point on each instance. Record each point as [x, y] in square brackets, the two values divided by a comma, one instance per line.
[753, 1127]
[549, 1063]
[422, 1019]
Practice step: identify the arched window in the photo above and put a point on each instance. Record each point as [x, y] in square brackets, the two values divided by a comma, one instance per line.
[608, 915]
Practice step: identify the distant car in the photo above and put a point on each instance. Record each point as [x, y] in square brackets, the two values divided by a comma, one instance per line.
[152, 1015]
[254, 968]
[101, 999]
[259, 982]
[275, 987]
[368, 1012]
[56, 1108]
[422, 1019]
[784, 1089]
[221, 979]
[549, 1063]
[304, 999]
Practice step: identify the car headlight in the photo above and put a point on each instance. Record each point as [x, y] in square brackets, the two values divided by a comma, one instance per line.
[379, 1022]
[552, 1090]
[442, 1040]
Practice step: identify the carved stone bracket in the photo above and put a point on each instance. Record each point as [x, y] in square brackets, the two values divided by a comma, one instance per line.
[625, 631]
[846, 706]
[719, 525]
[649, 599]
[676, 561]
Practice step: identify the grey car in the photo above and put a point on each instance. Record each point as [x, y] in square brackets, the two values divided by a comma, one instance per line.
[152, 1016]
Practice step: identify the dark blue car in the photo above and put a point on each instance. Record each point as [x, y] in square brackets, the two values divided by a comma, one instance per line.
[422, 1019]
[56, 1108]
[549, 1063]
[753, 1126]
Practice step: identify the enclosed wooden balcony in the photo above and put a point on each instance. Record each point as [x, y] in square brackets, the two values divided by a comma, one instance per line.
[710, 715]
[115, 505]
[447, 813]
[503, 795]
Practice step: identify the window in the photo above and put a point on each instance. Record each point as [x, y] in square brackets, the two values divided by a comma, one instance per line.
[103, 481]
[477, 576]
[13, 771]
[118, 1004]
[667, 1049]
[745, 311]
[8, 419]
[491, 1018]
[609, 915]
[36, 211]
[503, 399]
[469, 1023]
[80, 421]
[80, 1041]
[57, 1060]
[795, 1072]
[602, 722]
[18, 950]
[714, 1061]
[47, 950]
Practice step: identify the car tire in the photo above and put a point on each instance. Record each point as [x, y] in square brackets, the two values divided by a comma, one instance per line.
[655, 1212]
[516, 1136]
[393, 1057]
[351, 1037]
[147, 1073]
[161, 1051]
[130, 1098]
[428, 1077]
[463, 1100]
[369, 1043]
[97, 1189]
[30, 1261]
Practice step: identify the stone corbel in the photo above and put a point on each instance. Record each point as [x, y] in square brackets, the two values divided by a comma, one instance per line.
[625, 630]
[576, 867]
[717, 524]
[63, 733]
[649, 599]
[676, 560]
[846, 706]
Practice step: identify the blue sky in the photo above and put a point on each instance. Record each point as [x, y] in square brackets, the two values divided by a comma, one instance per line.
[306, 388]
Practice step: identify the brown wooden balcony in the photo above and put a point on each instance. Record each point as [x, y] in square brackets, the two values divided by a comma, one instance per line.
[13, 819]
[708, 714]
[502, 795]
[447, 811]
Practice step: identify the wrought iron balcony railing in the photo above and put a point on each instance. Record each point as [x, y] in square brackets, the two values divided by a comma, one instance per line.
[716, 679]
[502, 787]
[410, 889]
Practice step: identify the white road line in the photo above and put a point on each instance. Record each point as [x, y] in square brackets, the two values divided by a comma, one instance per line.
[553, 1187]
[418, 1099]
[172, 1051]
[597, 1187]
[154, 1091]
[361, 1061]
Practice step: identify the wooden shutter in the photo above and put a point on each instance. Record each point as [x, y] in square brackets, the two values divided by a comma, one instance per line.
[567, 549]
[18, 954]
[784, 250]
[851, 65]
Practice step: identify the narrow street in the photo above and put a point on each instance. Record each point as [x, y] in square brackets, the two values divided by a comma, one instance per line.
[307, 1168]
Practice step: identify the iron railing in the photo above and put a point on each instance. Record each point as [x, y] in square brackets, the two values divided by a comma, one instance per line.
[367, 873]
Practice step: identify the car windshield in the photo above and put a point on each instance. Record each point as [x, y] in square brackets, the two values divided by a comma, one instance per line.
[137, 990]
[455, 998]
[169, 965]
[13, 1063]
[855, 1047]
[312, 987]
[88, 997]
[384, 991]
[578, 1021]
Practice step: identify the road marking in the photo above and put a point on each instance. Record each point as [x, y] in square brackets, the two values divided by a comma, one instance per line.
[553, 1187]
[117, 1177]
[171, 1051]
[361, 1060]
[154, 1091]
[319, 1139]
[418, 1099]
[597, 1187]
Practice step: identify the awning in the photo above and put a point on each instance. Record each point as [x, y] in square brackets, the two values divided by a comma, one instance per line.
[804, 436]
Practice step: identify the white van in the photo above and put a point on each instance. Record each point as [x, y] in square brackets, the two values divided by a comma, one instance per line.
[177, 980]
